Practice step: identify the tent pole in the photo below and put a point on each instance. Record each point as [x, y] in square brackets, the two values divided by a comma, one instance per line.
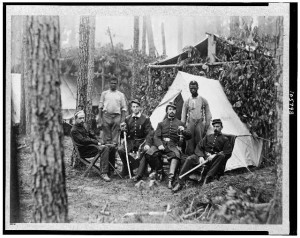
[151, 66]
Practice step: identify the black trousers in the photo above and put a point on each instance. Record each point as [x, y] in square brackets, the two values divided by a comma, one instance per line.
[212, 169]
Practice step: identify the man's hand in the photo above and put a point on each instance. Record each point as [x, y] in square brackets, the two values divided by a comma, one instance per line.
[161, 147]
[181, 128]
[201, 160]
[123, 126]
[100, 122]
[146, 147]
[210, 158]
[99, 143]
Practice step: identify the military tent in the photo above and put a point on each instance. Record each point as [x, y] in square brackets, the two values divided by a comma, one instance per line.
[68, 95]
[247, 150]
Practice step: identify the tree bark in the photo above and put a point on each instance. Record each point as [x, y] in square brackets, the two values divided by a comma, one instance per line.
[163, 39]
[275, 213]
[179, 45]
[150, 37]
[82, 79]
[90, 83]
[48, 171]
[136, 35]
[144, 35]
[25, 87]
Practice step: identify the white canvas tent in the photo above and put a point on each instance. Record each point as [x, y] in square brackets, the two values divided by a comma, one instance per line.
[247, 150]
[68, 96]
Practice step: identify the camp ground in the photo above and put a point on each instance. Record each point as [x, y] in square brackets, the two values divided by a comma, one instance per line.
[102, 175]
[247, 150]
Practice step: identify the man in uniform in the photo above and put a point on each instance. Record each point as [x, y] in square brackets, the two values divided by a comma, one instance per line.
[88, 145]
[166, 139]
[112, 109]
[196, 116]
[215, 149]
[137, 127]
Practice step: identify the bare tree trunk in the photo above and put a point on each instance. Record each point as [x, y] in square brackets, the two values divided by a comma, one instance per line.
[25, 90]
[275, 213]
[144, 35]
[49, 187]
[150, 37]
[90, 83]
[180, 25]
[163, 39]
[234, 25]
[82, 79]
[136, 35]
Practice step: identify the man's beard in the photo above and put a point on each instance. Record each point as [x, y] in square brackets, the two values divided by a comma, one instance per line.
[194, 94]
[216, 132]
[171, 114]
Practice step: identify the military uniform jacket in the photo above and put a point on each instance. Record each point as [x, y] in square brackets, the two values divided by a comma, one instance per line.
[166, 134]
[83, 139]
[138, 129]
[214, 144]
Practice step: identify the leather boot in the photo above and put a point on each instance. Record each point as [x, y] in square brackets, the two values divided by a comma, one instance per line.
[177, 188]
[173, 167]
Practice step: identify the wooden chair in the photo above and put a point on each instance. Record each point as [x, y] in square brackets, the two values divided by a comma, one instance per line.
[91, 163]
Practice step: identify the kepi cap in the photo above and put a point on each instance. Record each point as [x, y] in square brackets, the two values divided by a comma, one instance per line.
[171, 104]
[215, 121]
[136, 101]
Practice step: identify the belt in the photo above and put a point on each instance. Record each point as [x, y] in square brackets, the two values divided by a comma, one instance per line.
[166, 139]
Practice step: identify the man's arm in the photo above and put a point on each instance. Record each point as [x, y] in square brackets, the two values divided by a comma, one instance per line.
[78, 138]
[184, 112]
[208, 115]
[123, 107]
[101, 105]
[227, 148]
[157, 136]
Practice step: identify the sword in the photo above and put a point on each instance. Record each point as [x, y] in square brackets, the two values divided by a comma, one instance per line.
[196, 167]
[126, 152]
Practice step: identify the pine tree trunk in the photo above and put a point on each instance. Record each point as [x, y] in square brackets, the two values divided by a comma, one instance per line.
[136, 36]
[48, 171]
[90, 83]
[25, 88]
[275, 213]
[163, 39]
[150, 37]
[144, 35]
[234, 25]
[179, 45]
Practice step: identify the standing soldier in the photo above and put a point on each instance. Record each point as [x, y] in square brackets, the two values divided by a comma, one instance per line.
[196, 116]
[112, 109]
[166, 139]
[137, 127]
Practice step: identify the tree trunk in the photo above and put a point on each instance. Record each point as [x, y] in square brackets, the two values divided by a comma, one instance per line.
[179, 45]
[25, 88]
[48, 171]
[150, 37]
[144, 35]
[163, 39]
[90, 83]
[234, 25]
[136, 35]
[82, 79]
[275, 213]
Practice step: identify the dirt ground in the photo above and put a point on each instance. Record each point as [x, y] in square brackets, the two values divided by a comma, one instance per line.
[88, 196]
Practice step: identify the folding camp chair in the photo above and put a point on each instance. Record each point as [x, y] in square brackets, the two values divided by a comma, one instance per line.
[91, 163]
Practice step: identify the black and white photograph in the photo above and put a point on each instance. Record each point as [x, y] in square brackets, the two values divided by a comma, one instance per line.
[147, 118]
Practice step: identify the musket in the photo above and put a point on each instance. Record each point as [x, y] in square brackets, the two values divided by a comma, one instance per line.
[126, 152]
[196, 167]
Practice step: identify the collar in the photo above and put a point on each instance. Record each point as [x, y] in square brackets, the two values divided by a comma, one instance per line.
[171, 118]
[138, 115]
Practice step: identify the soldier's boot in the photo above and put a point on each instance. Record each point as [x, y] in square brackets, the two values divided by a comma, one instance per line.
[173, 166]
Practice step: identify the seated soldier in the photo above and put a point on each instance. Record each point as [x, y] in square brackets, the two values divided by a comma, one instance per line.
[85, 142]
[166, 139]
[215, 149]
[137, 127]
[143, 167]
